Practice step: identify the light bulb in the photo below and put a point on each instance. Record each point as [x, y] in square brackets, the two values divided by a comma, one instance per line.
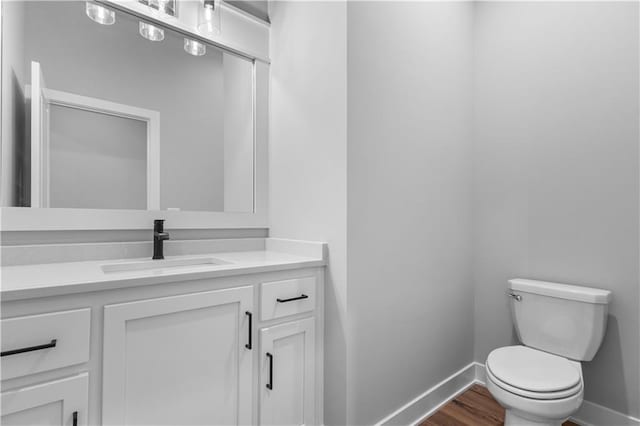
[209, 17]
[194, 48]
[151, 32]
[100, 14]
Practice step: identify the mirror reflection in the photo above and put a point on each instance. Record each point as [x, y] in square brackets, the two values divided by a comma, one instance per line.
[102, 110]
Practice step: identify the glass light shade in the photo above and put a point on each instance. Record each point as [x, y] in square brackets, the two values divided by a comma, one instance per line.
[194, 48]
[209, 17]
[100, 14]
[151, 32]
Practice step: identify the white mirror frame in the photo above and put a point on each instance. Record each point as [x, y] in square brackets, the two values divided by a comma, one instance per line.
[59, 219]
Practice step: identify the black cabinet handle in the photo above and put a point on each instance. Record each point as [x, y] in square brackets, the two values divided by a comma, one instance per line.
[52, 344]
[302, 296]
[75, 418]
[270, 384]
[250, 315]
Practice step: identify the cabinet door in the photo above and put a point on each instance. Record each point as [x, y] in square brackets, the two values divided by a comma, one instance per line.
[287, 389]
[180, 360]
[60, 403]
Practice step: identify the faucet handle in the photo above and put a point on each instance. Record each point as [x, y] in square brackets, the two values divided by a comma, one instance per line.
[161, 236]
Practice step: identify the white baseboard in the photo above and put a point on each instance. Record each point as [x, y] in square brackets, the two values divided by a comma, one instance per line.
[589, 414]
[430, 401]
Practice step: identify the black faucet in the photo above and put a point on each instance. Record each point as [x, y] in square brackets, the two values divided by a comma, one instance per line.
[158, 237]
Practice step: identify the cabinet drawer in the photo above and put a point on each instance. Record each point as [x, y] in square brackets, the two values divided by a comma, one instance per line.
[37, 343]
[283, 298]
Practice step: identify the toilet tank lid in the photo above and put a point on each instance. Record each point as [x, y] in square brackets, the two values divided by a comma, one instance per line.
[561, 291]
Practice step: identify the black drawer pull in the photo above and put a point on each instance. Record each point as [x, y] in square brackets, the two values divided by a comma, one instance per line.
[270, 384]
[30, 349]
[250, 315]
[75, 418]
[302, 296]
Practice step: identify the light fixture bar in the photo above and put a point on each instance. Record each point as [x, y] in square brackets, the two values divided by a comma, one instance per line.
[183, 32]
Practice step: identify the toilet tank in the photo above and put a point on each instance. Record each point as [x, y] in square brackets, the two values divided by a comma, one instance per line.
[562, 319]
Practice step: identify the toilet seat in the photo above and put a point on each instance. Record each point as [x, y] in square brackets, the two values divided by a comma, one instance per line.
[533, 374]
[534, 395]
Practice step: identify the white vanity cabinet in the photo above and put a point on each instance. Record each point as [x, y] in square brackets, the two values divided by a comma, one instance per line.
[179, 360]
[183, 350]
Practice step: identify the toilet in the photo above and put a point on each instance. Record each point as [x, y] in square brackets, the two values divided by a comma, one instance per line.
[539, 382]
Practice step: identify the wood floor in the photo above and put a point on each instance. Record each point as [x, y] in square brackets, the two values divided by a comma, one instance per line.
[474, 407]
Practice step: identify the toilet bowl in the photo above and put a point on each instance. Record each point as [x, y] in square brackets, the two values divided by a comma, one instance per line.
[534, 387]
[559, 325]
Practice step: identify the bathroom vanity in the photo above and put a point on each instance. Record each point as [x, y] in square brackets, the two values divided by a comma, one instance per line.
[117, 114]
[227, 338]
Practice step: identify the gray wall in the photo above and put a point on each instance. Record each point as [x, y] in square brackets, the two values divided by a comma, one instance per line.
[307, 158]
[556, 170]
[409, 201]
[485, 142]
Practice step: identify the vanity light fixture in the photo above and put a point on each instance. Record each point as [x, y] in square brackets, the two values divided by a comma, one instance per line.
[209, 17]
[194, 48]
[100, 14]
[151, 32]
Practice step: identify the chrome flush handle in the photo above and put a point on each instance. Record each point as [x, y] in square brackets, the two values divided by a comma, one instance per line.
[515, 296]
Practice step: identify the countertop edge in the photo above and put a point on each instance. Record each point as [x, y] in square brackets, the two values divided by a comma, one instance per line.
[130, 282]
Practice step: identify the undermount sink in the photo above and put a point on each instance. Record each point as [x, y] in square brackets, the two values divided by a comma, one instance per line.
[152, 265]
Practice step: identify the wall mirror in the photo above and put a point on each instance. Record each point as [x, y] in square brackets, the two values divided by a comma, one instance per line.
[102, 109]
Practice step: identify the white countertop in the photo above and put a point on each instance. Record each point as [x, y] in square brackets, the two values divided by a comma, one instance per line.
[54, 279]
